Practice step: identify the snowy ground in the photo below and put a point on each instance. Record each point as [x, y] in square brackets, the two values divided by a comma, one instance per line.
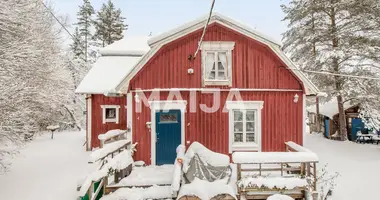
[357, 164]
[47, 169]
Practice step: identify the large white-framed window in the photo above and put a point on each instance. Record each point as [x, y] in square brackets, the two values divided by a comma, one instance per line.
[244, 125]
[217, 63]
[110, 113]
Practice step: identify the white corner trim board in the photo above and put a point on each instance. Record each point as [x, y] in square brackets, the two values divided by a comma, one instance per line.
[89, 122]
[165, 105]
[109, 120]
[130, 114]
[244, 105]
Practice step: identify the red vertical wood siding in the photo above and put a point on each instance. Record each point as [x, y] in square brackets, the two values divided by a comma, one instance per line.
[97, 116]
[281, 122]
[254, 65]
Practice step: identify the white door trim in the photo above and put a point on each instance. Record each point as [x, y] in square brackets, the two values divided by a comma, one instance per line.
[165, 105]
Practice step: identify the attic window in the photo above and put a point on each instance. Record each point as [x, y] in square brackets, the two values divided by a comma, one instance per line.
[217, 63]
[110, 113]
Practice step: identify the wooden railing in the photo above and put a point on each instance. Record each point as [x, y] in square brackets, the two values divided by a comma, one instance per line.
[296, 164]
[97, 188]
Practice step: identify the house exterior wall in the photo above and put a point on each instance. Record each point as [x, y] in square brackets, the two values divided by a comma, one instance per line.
[254, 66]
[97, 125]
[281, 122]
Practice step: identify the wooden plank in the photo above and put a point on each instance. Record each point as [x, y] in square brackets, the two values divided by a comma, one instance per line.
[97, 190]
[293, 169]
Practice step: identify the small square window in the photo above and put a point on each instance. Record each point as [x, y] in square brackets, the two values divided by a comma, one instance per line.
[110, 113]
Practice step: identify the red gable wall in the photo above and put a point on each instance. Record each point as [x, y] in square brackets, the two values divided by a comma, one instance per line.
[254, 65]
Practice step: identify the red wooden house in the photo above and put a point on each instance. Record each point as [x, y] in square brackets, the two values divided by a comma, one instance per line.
[240, 93]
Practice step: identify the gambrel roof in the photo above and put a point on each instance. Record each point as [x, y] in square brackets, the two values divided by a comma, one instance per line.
[159, 41]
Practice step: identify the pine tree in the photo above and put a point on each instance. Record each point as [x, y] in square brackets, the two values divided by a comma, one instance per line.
[84, 23]
[77, 46]
[333, 36]
[109, 25]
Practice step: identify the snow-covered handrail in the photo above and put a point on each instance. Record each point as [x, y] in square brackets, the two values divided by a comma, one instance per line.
[120, 162]
[273, 157]
[108, 149]
[112, 134]
[294, 147]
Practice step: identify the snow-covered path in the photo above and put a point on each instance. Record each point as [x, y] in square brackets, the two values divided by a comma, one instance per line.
[47, 169]
[357, 164]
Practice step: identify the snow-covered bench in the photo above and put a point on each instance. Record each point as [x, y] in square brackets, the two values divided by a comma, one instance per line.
[261, 174]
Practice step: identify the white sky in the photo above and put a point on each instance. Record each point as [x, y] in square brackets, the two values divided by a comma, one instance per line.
[156, 16]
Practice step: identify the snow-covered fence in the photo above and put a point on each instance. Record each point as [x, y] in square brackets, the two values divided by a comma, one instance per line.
[112, 135]
[275, 172]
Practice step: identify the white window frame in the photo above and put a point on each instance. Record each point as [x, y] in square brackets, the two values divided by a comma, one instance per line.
[105, 120]
[244, 105]
[216, 47]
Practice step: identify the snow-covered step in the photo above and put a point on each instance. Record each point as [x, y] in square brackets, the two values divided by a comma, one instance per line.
[154, 192]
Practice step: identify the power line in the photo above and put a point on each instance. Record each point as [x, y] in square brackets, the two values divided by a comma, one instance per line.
[204, 29]
[63, 26]
[335, 74]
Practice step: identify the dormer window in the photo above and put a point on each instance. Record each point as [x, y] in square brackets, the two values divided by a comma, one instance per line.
[217, 63]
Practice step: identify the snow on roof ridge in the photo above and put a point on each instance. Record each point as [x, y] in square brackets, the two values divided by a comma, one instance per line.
[127, 46]
[214, 18]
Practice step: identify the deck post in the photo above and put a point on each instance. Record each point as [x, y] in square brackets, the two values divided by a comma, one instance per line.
[314, 195]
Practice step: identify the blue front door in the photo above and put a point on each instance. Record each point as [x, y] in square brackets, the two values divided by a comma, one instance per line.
[168, 135]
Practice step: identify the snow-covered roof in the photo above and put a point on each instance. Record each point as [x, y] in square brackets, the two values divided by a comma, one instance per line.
[117, 60]
[158, 41]
[127, 46]
[329, 109]
[106, 74]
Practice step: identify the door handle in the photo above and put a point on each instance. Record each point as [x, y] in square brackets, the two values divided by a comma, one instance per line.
[157, 134]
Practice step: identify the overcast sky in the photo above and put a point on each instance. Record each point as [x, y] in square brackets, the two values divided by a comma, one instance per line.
[156, 16]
